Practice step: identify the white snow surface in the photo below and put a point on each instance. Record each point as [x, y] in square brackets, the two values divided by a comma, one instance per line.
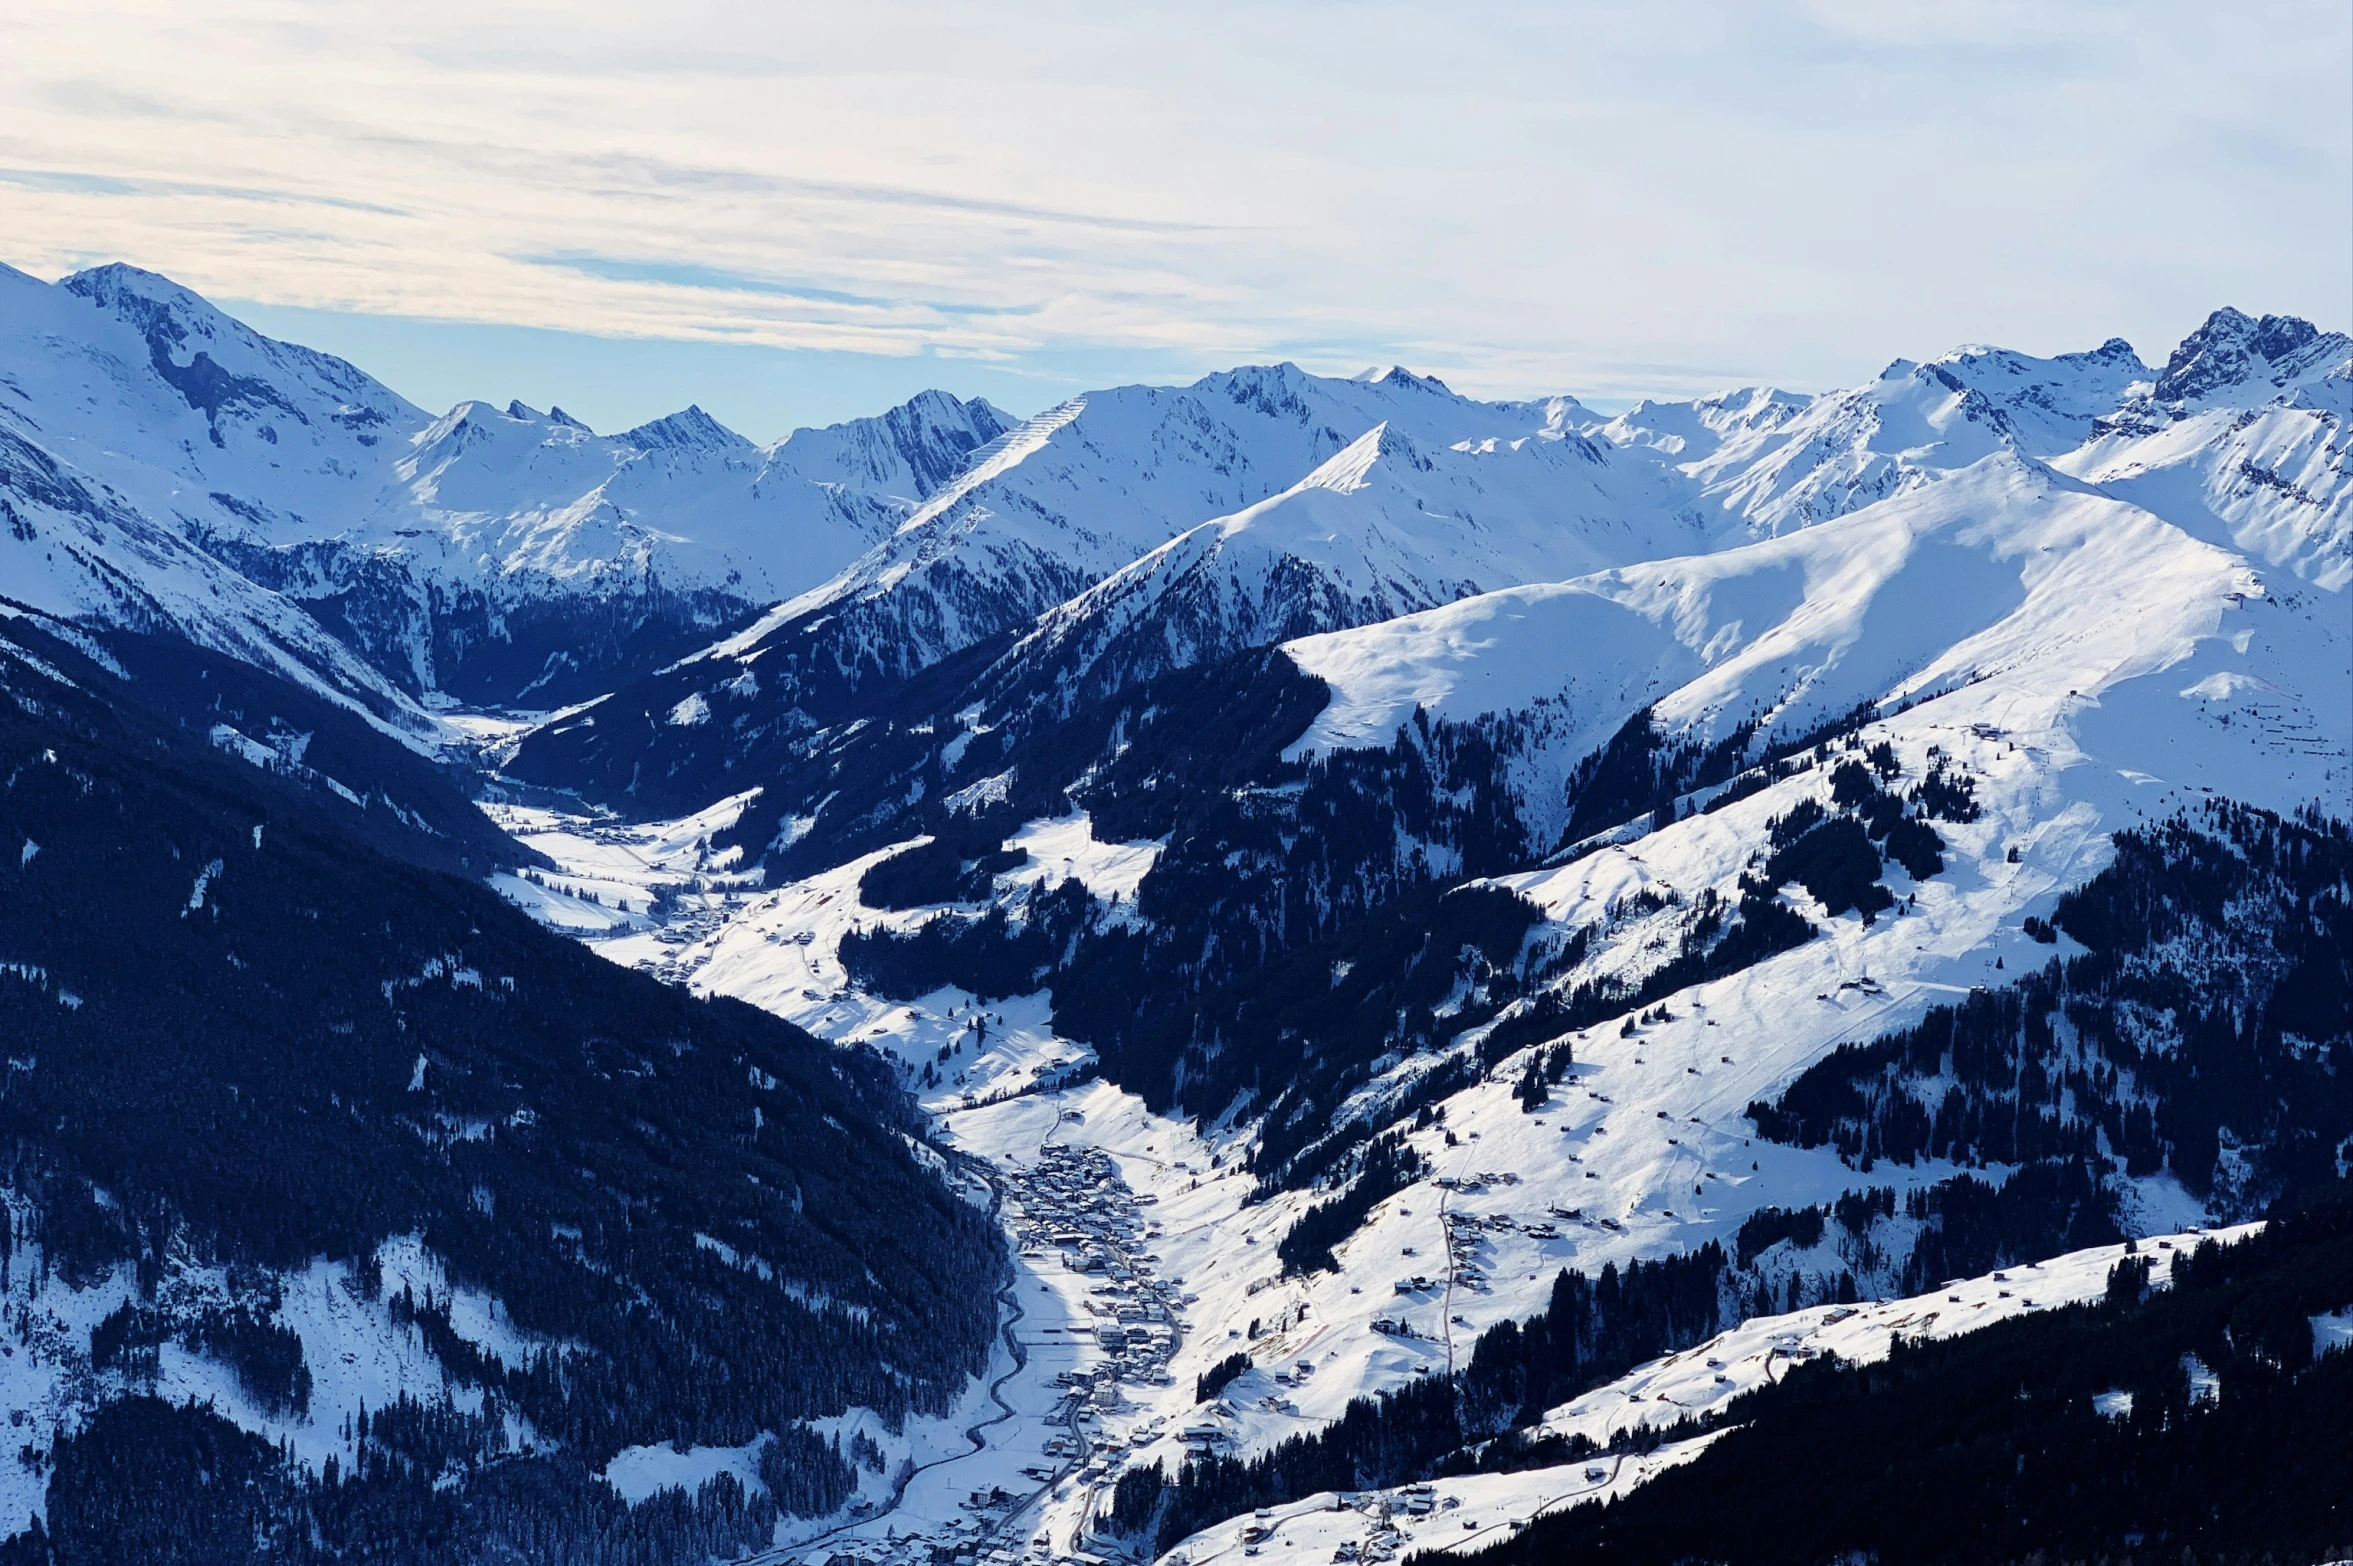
[1700, 1379]
[1195, 516]
[1066, 849]
[2005, 596]
[1386, 526]
[103, 466]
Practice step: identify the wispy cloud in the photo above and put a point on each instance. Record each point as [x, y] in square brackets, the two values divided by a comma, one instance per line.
[686, 274]
[75, 182]
[1605, 197]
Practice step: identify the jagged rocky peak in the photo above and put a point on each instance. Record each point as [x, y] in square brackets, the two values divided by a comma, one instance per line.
[2234, 349]
[2112, 359]
[1269, 388]
[937, 409]
[935, 432]
[460, 421]
[689, 429]
[522, 412]
[2114, 351]
[2046, 405]
[910, 450]
[173, 318]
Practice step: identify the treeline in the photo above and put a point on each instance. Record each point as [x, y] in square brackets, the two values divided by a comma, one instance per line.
[1387, 1166]
[407, 805]
[1988, 1447]
[1216, 1379]
[1594, 1329]
[2204, 1033]
[1297, 909]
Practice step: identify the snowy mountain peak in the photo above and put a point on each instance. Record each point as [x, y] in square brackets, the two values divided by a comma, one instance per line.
[922, 443]
[689, 429]
[1274, 390]
[232, 372]
[1405, 380]
[2104, 363]
[2233, 349]
[143, 296]
[2045, 406]
[1350, 468]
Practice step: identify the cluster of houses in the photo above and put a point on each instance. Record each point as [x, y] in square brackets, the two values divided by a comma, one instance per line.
[1072, 1201]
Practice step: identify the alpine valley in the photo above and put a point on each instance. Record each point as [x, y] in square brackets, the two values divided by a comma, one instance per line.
[1214, 972]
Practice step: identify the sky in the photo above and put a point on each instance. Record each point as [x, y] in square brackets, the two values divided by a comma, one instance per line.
[794, 214]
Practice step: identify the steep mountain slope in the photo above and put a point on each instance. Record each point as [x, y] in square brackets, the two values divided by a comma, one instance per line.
[2242, 440]
[387, 1149]
[2005, 572]
[300, 746]
[92, 393]
[1384, 528]
[1085, 488]
[2202, 1413]
[543, 562]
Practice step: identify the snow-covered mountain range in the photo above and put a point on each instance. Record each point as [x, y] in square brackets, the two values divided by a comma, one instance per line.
[489, 555]
[1343, 862]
